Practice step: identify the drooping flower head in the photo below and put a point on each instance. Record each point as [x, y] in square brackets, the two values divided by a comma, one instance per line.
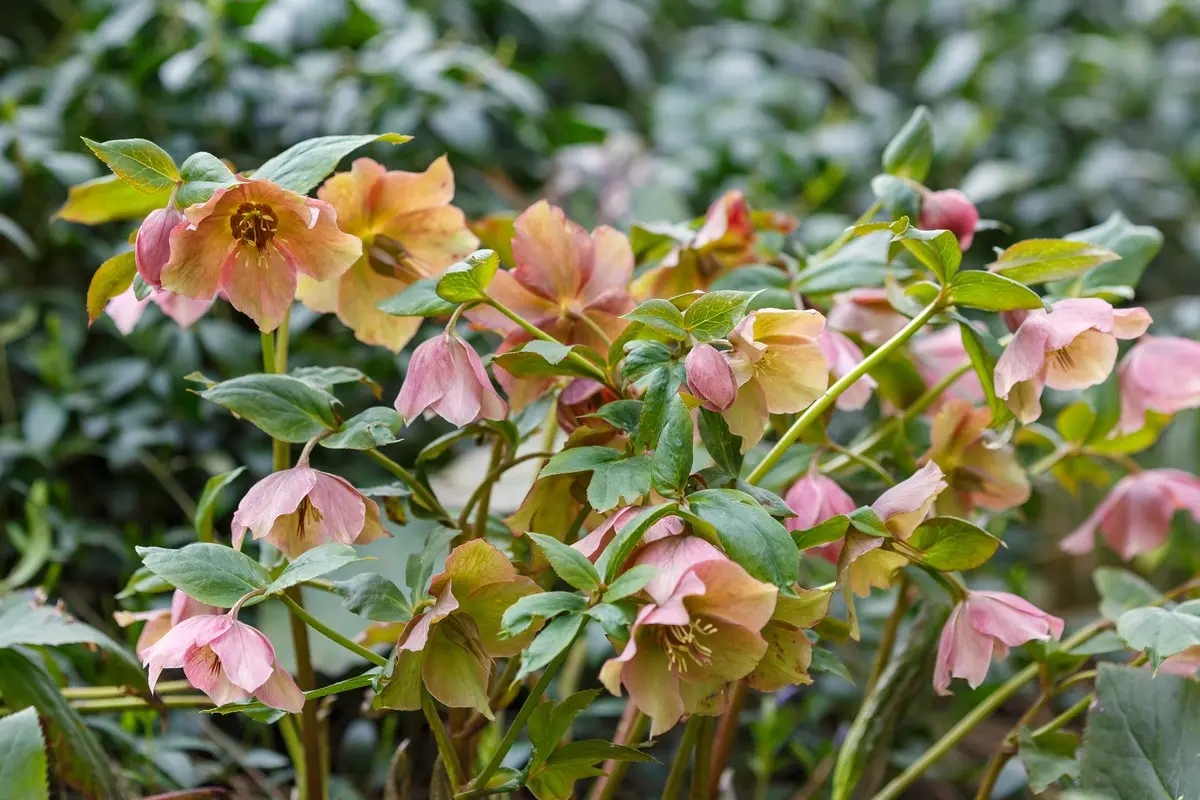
[710, 378]
[699, 632]
[843, 355]
[301, 508]
[868, 313]
[249, 242]
[1072, 347]
[983, 627]
[938, 354]
[949, 209]
[815, 499]
[409, 229]
[981, 472]
[1160, 374]
[161, 620]
[779, 368]
[125, 309]
[152, 247]
[449, 646]
[566, 282]
[1136, 516]
[446, 375]
[226, 659]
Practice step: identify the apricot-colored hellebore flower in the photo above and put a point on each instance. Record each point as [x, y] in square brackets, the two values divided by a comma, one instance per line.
[938, 354]
[126, 310]
[152, 247]
[984, 626]
[815, 499]
[249, 242]
[779, 368]
[724, 240]
[594, 543]
[868, 313]
[1072, 347]
[409, 231]
[227, 660]
[789, 651]
[1160, 374]
[700, 631]
[161, 620]
[949, 209]
[446, 375]
[301, 508]
[843, 355]
[1136, 516]
[570, 284]
[980, 472]
[449, 646]
[710, 378]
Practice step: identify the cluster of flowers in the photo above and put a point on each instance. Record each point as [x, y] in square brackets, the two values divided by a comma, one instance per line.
[702, 621]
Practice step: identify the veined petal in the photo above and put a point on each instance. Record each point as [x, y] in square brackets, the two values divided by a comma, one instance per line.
[343, 509]
[553, 254]
[1086, 361]
[276, 495]
[429, 376]
[246, 656]
[280, 691]
[357, 293]
[455, 670]
[748, 415]
[732, 595]
[259, 283]
[612, 268]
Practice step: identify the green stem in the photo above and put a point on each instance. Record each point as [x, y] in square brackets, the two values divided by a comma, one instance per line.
[514, 730]
[295, 748]
[703, 759]
[1066, 716]
[445, 748]
[493, 475]
[133, 703]
[97, 692]
[331, 634]
[538, 333]
[1047, 461]
[683, 755]
[485, 500]
[825, 401]
[162, 473]
[420, 490]
[887, 639]
[977, 715]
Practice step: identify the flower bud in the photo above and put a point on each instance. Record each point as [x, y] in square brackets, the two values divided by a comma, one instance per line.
[152, 250]
[949, 210]
[710, 378]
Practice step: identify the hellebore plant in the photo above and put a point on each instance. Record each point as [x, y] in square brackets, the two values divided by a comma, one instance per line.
[663, 394]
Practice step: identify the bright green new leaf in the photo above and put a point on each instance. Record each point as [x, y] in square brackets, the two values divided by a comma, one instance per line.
[751, 536]
[672, 462]
[937, 250]
[567, 562]
[108, 199]
[662, 316]
[910, 152]
[140, 163]
[991, 292]
[950, 544]
[467, 281]
[631, 581]
[714, 314]
[543, 605]
[1043, 260]
[112, 278]
[203, 174]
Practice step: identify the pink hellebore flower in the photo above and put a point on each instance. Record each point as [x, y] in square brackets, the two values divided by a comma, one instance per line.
[779, 368]
[161, 620]
[699, 632]
[125, 309]
[152, 248]
[301, 508]
[949, 209]
[1185, 663]
[710, 378]
[249, 242]
[980, 472]
[843, 356]
[227, 660]
[868, 313]
[940, 353]
[815, 499]
[446, 375]
[1160, 374]
[449, 647]
[1136, 516]
[984, 625]
[594, 543]
[1072, 347]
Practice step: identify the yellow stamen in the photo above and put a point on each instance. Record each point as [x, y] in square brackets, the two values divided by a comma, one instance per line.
[682, 644]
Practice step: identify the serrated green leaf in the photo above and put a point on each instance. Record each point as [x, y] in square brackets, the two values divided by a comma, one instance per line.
[660, 315]
[202, 174]
[375, 597]
[539, 359]
[937, 250]
[419, 299]
[663, 385]
[547, 645]
[467, 280]
[368, 430]
[1137, 245]
[672, 461]
[579, 459]
[618, 483]
[751, 536]
[544, 605]
[724, 447]
[567, 562]
[1042, 260]
[714, 314]
[613, 558]
[26, 623]
[632, 581]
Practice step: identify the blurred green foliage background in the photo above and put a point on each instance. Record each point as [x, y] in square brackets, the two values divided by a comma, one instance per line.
[1050, 114]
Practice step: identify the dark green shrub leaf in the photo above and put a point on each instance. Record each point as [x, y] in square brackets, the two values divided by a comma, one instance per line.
[313, 564]
[672, 462]
[751, 536]
[567, 562]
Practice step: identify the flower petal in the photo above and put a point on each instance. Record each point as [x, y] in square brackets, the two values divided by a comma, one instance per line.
[275, 496]
[281, 692]
[247, 656]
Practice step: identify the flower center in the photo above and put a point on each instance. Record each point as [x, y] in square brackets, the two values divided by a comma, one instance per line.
[682, 644]
[254, 223]
[308, 519]
[1063, 358]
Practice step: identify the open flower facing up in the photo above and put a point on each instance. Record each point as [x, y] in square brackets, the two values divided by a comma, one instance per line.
[152, 247]
[843, 355]
[450, 645]
[1136, 516]
[710, 378]
[940, 353]
[446, 375]
[1072, 347]
[983, 627]
[594, 543]
[161, 620]
[409, 229]
[227, 660]
[125, 309]
[981, 473]
[779, 368]
[566, 282]
[301, 508]
[1160, 374]
[699, 632]
[949, 209]
[249, 242]
[815, 499]
[868, 313]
